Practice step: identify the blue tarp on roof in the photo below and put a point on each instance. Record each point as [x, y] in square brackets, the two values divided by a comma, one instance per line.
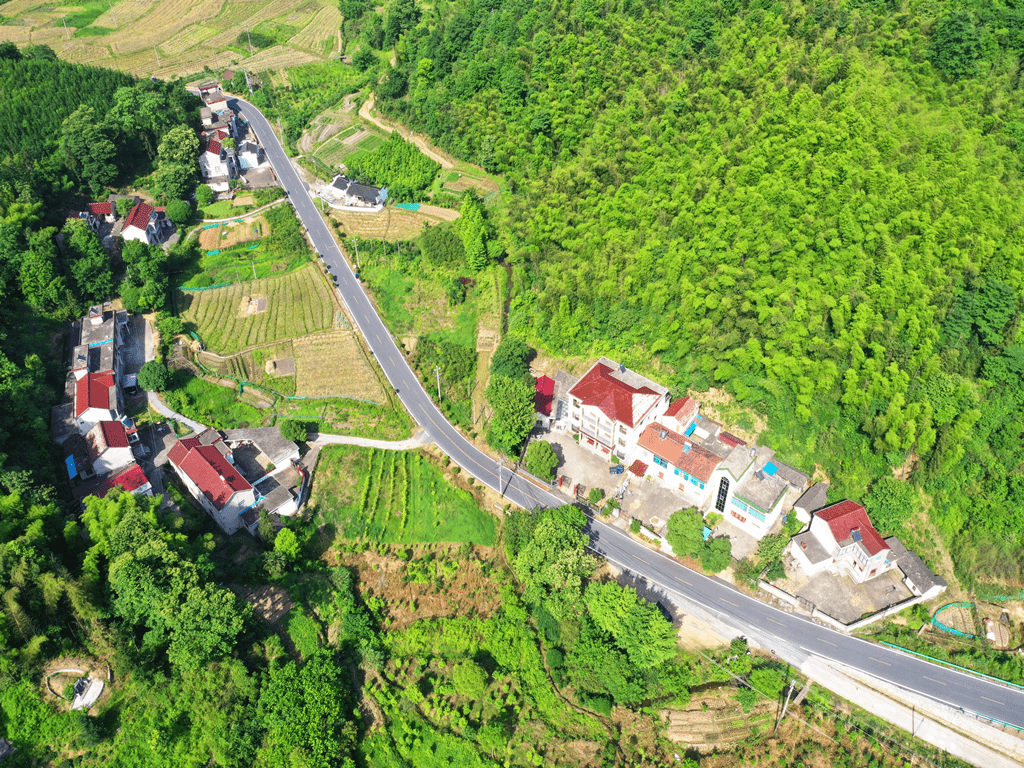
[72, 471]
[770, 469]
[689, 429]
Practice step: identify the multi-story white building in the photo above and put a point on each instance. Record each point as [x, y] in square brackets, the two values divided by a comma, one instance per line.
[610, 406]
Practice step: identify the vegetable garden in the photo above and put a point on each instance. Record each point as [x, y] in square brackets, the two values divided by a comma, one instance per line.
[394, 496]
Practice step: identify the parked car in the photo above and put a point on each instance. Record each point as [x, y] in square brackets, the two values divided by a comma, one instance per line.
[616, 469]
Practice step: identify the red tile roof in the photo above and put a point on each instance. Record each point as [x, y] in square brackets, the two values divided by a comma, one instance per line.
[213, 147]
[101, 209]
[543, 394]
[730, 439]
[212, 473]
[638, 468]
[614, 397]
[678, 405]
[846, 517]
[131, 479]
[694, 460]
[139, 217]
[94, 390]
[106, 434]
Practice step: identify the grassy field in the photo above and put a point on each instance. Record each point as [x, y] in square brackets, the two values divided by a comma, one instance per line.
[296, 304]
[394, 496]
[328, 365]
[175, 38]
[342, 416]
[211, 404]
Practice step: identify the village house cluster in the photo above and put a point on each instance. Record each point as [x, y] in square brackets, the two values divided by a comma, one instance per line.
[228, 149]
[622, 416]
[100, 444]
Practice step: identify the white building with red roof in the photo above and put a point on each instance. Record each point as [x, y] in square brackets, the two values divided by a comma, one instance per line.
[96, 398]
[610, 406]
[146, 224]
[108, 446]
[841, 539]
[203, 462]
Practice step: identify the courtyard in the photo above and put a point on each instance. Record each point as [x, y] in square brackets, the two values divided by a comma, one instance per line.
[842, 598]
[648, 502]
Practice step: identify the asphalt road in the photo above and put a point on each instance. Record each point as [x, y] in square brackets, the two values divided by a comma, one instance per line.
[793, 638]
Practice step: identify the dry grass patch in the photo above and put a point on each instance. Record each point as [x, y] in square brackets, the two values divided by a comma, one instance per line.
[334, 365]
[391, 224]
[225, 237]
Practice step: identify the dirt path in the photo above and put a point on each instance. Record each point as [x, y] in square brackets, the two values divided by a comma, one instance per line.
[428, 149]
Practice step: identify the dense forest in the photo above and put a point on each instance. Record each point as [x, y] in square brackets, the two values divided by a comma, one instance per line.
[812, 205]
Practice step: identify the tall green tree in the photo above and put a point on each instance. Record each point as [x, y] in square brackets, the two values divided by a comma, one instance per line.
[87, 147]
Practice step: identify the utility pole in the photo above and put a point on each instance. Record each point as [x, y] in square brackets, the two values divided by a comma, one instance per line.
[157, 56]
[111, 7]
[358, 265]
[249, 37]
[437, 370]
[64, 19]
[501, 463]
[254, 270]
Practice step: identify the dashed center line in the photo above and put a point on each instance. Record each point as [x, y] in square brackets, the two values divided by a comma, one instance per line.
[829, 642]
[1000, 703]
[730, 602]
[933, 679]
[773, 621]
[642, 560]
[880, 661]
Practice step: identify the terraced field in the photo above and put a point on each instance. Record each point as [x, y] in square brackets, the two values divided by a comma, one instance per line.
[175, 38]
[295, 304]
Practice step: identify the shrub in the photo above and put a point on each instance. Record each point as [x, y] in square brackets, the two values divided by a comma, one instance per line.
[596, 494]
[204, 195]
[555, 658]
[294, 430]
[541, 460]
[634, 526]
[179, 212]
[154, 376]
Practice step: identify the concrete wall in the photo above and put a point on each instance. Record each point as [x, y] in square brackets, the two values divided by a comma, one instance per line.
[772, 590]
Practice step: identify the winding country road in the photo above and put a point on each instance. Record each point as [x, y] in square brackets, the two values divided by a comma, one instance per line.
[793, 638]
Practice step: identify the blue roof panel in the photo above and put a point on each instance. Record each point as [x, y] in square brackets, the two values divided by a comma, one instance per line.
[770, 469]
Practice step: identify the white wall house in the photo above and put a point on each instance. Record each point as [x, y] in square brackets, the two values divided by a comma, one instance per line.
[147, 224]
[610, 406]
[841, 539]
[202, 462]
[108, 447]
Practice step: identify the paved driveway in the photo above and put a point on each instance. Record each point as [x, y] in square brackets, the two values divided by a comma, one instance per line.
[650, 502]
